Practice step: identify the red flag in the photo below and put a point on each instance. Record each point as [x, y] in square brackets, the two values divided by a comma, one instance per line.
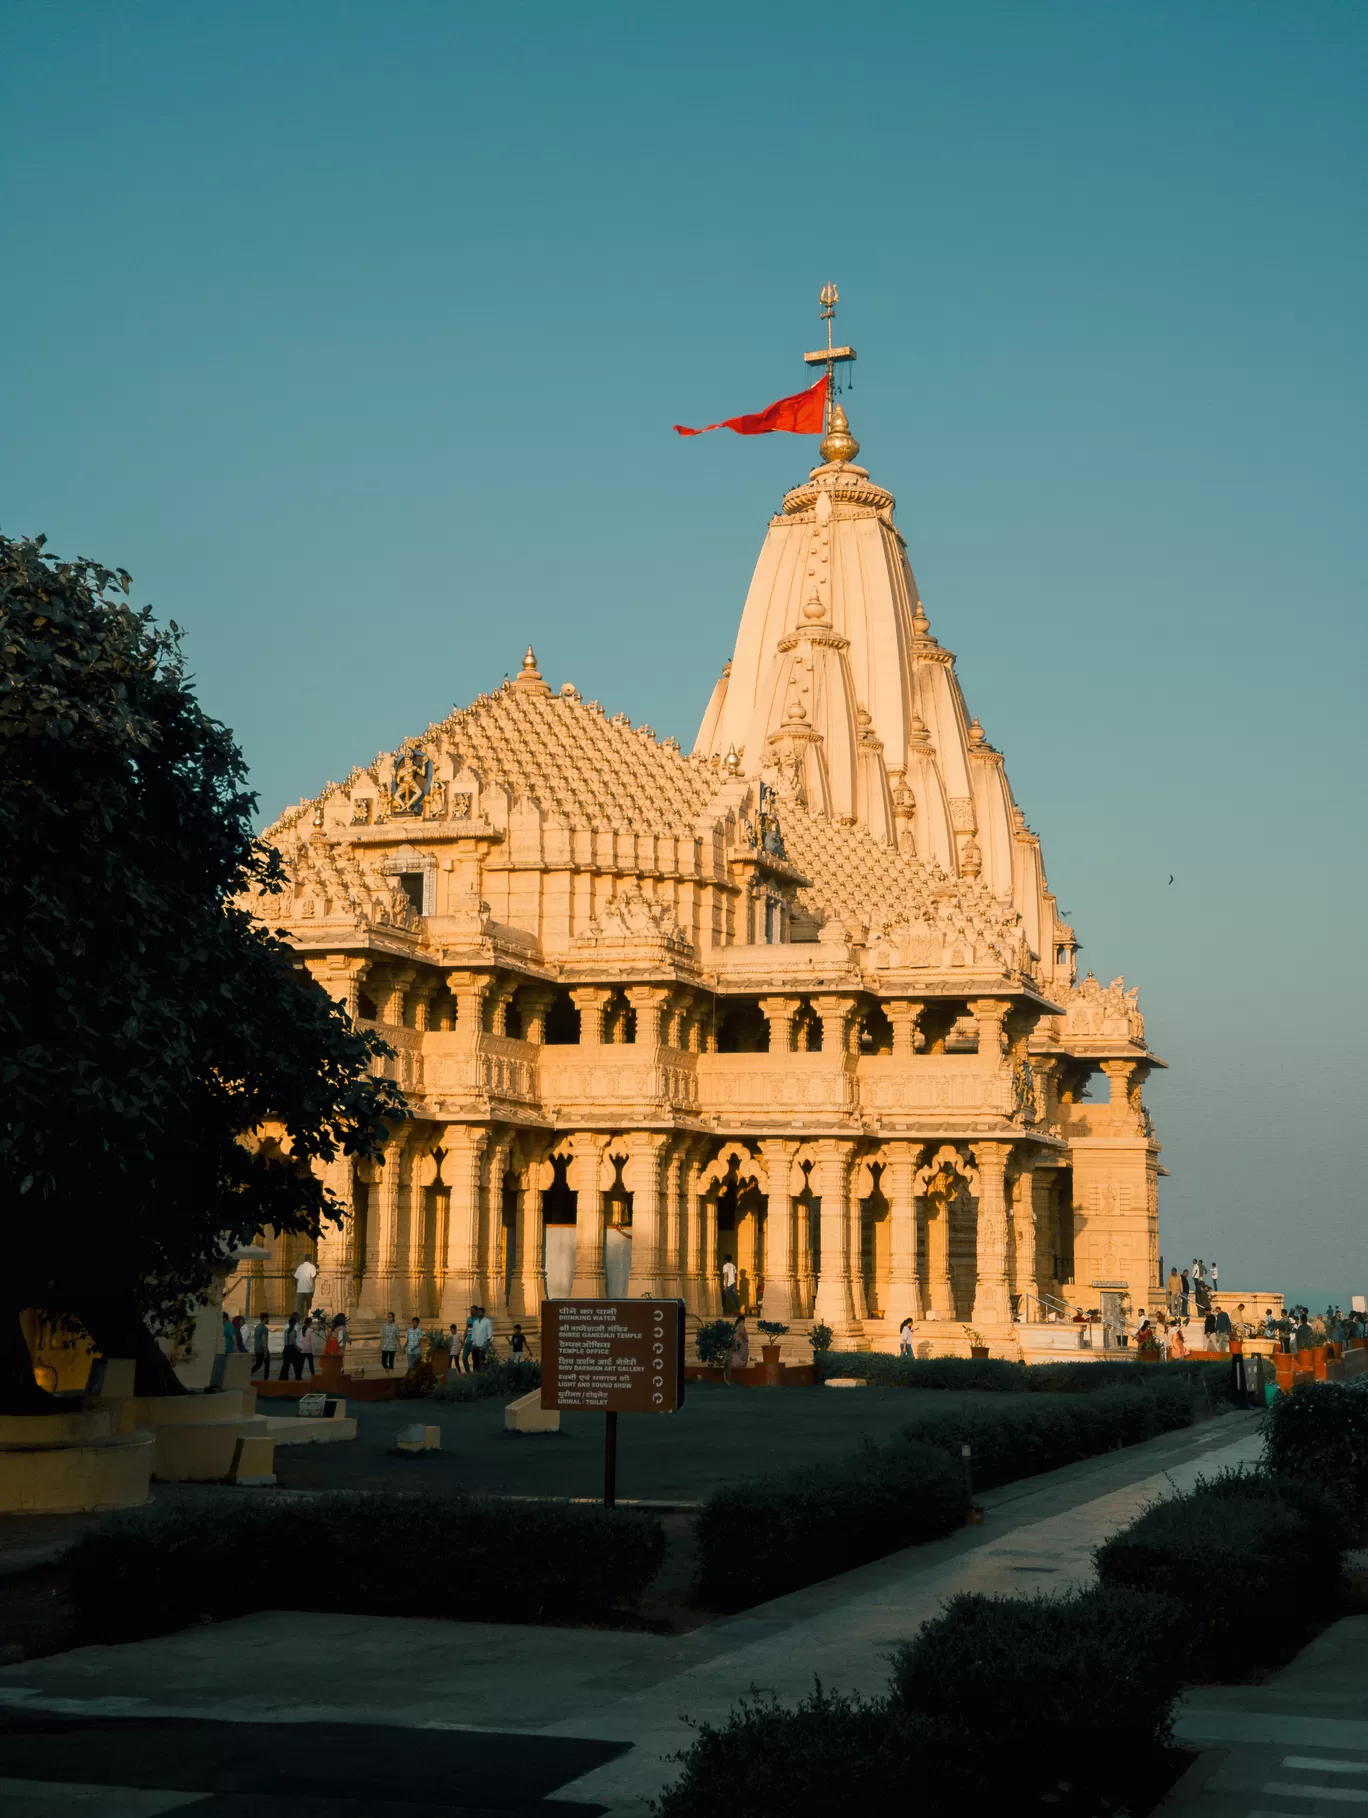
[804, 414]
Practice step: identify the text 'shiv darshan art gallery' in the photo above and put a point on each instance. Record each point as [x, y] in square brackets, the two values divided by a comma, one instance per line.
[800, 999]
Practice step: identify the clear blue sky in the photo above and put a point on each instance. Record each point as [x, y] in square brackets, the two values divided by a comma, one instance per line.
[355, 331]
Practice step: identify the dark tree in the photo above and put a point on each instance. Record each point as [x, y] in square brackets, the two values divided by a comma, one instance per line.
[147, 1022]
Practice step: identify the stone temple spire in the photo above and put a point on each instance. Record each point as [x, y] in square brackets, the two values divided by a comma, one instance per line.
[840, 698]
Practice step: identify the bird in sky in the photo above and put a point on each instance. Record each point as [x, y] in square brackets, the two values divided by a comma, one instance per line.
[1170, 877]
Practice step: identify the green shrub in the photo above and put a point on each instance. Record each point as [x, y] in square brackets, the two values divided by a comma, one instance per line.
[1041, 1433]
[828, 1755]
[758, 1539]
[991, 1705]
[1249, 1556]
[361, 1553]
[1007, 1695]
[416, 1382]
[820, 1337]
[1320, 1433]
[922, 1372]
[496, 1379]
[713, 1340]
[1212, 1380]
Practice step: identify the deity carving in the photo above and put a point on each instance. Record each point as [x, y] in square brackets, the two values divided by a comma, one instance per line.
[971, 859]
[361, 811]
[410, 784]
[435, 802]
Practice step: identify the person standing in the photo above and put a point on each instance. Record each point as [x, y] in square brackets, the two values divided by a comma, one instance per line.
[468, 1342]
[229, 1333]
[730, 1303]
[481, 1338]
[292, 1358]
[261, 1347]
[305, 1277]
[1215, 1277]
[238, 1334]
[1221, 1329]
[1175, 1291]
[389, 1341]
[338, 1336]
[517, 1345]
[413, 1343]
[905, 1338]
[738, 1358]
[308, 1337]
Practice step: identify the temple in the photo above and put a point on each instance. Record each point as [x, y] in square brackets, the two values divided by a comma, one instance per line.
[800, 998]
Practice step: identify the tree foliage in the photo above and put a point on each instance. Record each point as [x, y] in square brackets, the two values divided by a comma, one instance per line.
[147, 1022]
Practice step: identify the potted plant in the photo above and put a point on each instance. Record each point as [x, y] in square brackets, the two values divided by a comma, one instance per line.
[820, 1339]
[439, 1352]
[774, 1332]
[713, 1342]
[978, 1345]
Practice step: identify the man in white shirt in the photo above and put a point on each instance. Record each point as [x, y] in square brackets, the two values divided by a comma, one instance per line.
[481, 1337]
[305, 1277]
[413, 1343]
[730, 1303]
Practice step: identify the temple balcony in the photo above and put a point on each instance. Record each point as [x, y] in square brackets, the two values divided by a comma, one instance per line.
[765, 1083]
[953, 1084]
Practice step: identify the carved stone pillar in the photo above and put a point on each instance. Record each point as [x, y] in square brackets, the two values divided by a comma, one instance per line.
[470, 990]
[693, 1236]
[382, 1244]
[899, 1187]
[534, 1002]
[940, 1293]
[779, 1013]
[333, 1289]
[783, 1296]
[990, 1013]
[493, 1275]
[586, 1176]
[673, 1263]
[421, 996]
[591, 1001]
[991, 1304]
[1025, 1241]
[644, 1178]
[463, 1174]
[1125, 1078]
[650, 1003]
[835, 1304]
[838, 1014]
[341, 976]
[711, 1268]
[1042, 1191]
[905, 1018]
[394, 982]
[529, 1273]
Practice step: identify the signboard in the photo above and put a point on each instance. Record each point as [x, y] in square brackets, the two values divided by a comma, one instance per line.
[612, 1356]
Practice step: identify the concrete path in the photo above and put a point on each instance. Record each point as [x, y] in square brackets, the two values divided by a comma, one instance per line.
[583, 1685]
[1294, 1747]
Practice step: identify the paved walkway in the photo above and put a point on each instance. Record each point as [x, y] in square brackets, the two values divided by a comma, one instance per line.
[1294, 1747]
[474, 1682]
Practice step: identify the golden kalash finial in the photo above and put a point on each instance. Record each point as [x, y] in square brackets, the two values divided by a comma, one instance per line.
[838, 444]
[529, 676]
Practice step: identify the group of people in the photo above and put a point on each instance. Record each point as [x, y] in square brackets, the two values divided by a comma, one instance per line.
[306, 1336]
[469, 1348]
[1193, 1285]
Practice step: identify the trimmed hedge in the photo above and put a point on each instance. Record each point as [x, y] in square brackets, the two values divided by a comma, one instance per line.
[1320, 1433]
[998, 1375]
[1009, 1694]
[497, 1379]
[1028, 1436]
[826, 1755]
[991, 1705]
[1249, 1556]
[772, 1534]
[360, 1553]
[758, 1539]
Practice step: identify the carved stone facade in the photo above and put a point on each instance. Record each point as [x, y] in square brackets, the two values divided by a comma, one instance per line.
[801, 998]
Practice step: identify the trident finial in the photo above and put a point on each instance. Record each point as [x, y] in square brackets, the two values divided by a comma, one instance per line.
[830, 356]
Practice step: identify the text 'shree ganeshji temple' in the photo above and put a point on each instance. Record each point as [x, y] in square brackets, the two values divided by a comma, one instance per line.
[801, 998]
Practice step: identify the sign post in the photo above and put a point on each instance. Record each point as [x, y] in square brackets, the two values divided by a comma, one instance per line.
[613, 1356]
